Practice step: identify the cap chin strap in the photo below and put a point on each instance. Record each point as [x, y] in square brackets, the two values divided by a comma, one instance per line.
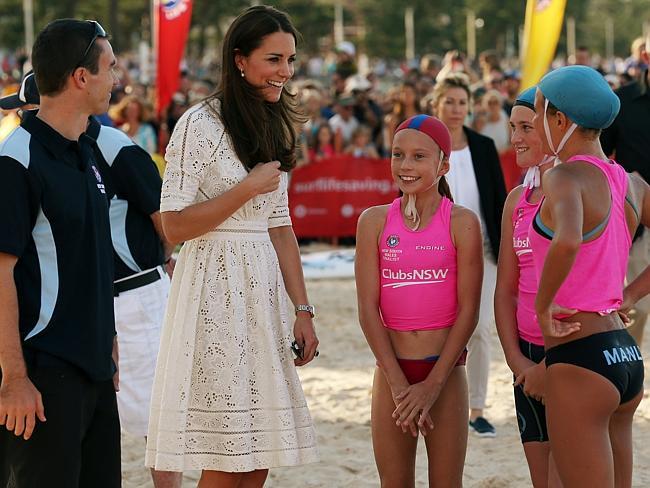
[533, 176]
[410, 211]
[547, 131]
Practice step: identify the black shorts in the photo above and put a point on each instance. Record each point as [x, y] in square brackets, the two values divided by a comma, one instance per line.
[78, 445]
[531, 414]
[613, 354]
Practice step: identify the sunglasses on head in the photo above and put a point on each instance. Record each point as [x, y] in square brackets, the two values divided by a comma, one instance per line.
[99, 32]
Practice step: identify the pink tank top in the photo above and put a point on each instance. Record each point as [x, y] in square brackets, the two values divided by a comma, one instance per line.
[522, 216]
[418, 272]
[595, 282]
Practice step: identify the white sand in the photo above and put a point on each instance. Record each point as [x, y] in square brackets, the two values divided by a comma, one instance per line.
[337, 385]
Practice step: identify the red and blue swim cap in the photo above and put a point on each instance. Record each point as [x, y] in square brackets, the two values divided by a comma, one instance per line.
[432, 127]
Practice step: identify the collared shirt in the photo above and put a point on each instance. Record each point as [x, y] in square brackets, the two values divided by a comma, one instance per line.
[629, 135]
[133, 187]
[54, 219]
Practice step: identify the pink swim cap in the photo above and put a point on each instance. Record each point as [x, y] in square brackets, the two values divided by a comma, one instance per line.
[430, 126]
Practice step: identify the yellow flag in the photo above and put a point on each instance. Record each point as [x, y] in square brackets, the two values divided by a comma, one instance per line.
[541, 33]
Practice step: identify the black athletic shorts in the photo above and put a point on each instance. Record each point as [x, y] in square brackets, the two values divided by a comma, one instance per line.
[613, 354]
[78, 445]
[531, 414]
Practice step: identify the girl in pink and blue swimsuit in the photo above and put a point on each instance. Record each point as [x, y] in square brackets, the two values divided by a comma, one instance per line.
[418, 273]
[514, 297]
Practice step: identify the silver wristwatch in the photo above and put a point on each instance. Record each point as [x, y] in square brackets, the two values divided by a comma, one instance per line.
[306, 308]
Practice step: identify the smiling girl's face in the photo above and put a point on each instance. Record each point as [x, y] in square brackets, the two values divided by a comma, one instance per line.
[415, 161]
[524, 138]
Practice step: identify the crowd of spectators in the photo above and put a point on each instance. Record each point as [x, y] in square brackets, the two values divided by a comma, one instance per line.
[348, 110]
[353, 113]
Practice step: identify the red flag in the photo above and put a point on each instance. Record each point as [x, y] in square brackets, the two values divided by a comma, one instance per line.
[171, 26]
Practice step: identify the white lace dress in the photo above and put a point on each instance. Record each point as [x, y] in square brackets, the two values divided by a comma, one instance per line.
[226, 395]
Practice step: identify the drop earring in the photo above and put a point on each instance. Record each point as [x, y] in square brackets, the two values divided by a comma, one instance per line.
[242, 73]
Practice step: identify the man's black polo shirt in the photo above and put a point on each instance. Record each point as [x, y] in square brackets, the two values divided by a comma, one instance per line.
[629, 135]
[133, 187]
[54, 218]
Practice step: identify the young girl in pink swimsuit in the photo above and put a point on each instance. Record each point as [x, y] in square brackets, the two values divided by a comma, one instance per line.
[419, 267]
[514, 298]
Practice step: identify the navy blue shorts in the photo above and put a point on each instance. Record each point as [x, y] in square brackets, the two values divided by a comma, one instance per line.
[531, 414]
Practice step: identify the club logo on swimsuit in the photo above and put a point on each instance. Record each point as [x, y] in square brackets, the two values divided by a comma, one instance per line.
[518, 242]
[521, 246]
[413, 277]
[392, 241]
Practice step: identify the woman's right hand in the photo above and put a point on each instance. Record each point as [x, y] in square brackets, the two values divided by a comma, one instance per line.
[264, 177]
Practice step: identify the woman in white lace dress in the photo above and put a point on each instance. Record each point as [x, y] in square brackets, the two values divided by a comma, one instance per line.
[226, 397]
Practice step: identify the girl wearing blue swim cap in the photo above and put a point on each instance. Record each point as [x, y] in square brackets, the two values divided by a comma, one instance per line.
[514, 297]
[580, 237]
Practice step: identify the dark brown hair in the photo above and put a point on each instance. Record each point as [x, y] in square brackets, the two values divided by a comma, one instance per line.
[260, 131]
[58, 52]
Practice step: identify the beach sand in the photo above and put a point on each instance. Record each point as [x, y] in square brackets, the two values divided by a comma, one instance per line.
[338, 386]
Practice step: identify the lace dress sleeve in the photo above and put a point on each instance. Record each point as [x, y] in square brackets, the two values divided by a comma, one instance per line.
[188, 158]
[280, 214]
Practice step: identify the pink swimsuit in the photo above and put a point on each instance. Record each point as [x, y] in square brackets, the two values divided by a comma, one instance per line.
[595, 282]
[418, 272]
[522, 216]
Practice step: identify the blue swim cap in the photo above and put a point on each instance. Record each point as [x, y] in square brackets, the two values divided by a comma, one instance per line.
[582, 94]
[527, 98]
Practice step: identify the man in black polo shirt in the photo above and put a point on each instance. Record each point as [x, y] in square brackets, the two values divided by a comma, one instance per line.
[628, 139]
[57, 333]
[141, 252]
